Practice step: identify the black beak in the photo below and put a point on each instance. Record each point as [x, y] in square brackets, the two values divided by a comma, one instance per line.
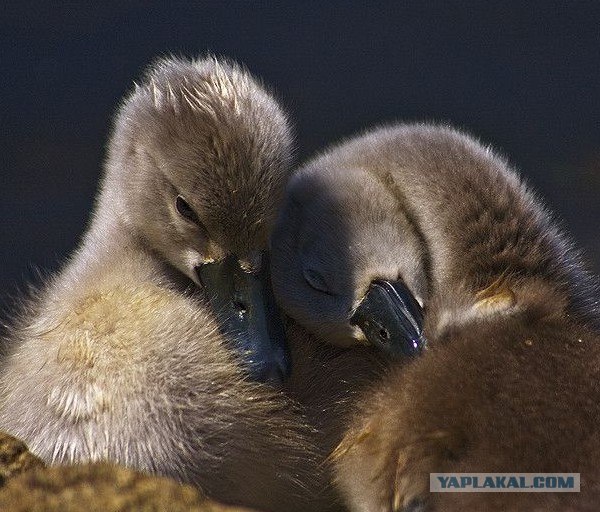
[244, 304]
[391, 318]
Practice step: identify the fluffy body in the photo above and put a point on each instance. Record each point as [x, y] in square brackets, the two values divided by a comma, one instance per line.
[509, 382]
[119, 357]
[511, 394]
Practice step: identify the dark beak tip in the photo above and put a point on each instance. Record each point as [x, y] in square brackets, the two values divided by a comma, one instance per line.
[391, 319]
[249, 317]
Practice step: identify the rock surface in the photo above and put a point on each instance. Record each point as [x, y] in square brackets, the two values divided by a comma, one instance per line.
[27, 485]
[15, 458]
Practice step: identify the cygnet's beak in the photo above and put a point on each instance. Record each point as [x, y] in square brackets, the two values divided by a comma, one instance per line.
[244, 303]
[391, 319]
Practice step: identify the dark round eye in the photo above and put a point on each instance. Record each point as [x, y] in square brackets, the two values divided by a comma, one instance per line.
[185, 210]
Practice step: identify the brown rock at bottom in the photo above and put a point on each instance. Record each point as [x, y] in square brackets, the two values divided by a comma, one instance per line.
[15, 458]
[101, 487]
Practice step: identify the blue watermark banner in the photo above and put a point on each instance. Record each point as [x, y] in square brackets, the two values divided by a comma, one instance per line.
[504, 482]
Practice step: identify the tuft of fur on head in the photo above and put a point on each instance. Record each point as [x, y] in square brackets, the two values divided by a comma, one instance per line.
[209, 131]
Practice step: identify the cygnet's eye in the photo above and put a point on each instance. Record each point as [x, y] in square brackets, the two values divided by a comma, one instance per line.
[315, 280]
[185, 210]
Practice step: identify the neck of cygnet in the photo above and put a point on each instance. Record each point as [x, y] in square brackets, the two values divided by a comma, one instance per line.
[113, 245]
[108, 240]
[483, 268]
[108, 228]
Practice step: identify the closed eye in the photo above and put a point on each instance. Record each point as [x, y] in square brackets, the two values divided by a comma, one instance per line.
[185, 210]
[316, 280]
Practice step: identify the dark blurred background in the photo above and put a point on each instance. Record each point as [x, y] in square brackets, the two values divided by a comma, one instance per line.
[523, 76]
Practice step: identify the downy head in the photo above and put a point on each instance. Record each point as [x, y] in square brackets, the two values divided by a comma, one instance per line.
[347, 262]
[196, 167]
